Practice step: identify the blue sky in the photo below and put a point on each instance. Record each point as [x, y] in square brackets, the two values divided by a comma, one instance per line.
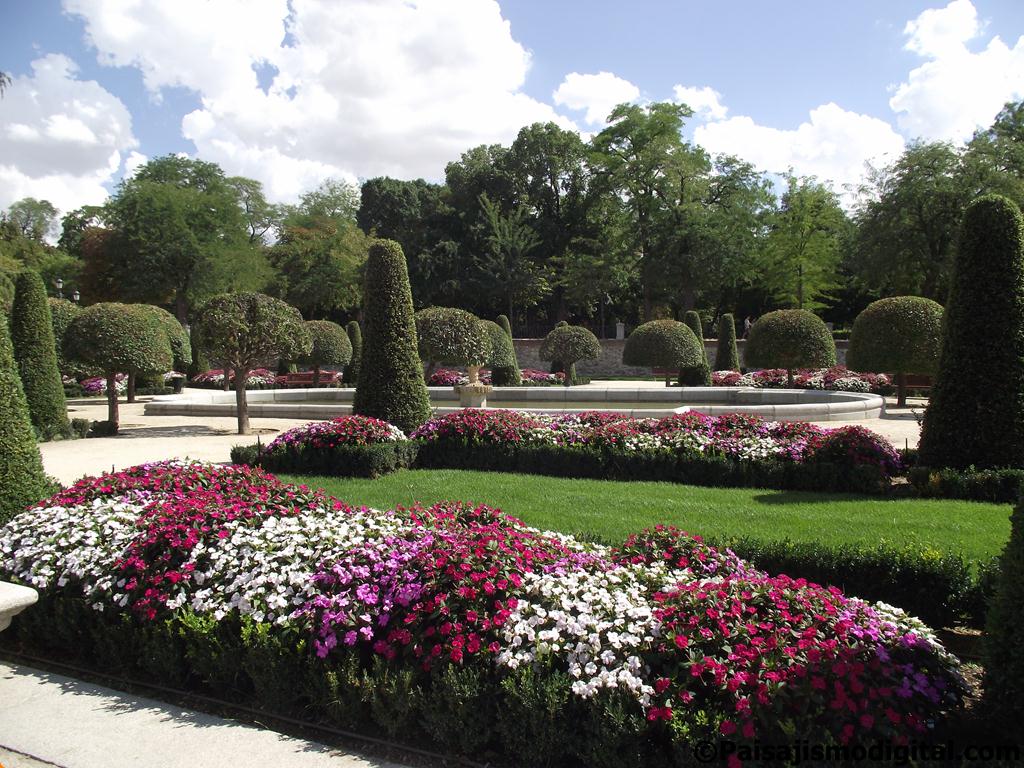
[293, 93]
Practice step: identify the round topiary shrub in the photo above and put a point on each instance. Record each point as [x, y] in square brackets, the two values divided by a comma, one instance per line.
[727, 357]
[976, 411]
[62, 312]
[502, 358]
[1003, 651]
[22, 480]
[450, 336]
[243, 330]
[390, 385]
[181, 347]
[330, 347]
[355, 337]
[568, 345]
[665, 344]
[35, 354]
[790, 339]
[698, 375]
[898, 335]
[118, 338]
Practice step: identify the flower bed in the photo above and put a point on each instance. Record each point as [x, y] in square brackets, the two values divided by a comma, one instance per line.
[447, 377]
[838, 378]
[262, 378]
[97, 385]
[459, 624]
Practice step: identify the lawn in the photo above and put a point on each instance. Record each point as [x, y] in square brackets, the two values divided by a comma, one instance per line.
[610, 510]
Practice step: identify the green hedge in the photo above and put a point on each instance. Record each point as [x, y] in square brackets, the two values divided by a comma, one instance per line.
[502, 358]
[1000, 486]
[1004, 652]
[339, 461]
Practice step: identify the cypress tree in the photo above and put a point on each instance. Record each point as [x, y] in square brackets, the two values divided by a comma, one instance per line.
[390, 384]
[355, 337]
[506, 326]
[502, 358]
[22, 480]
[727, 357]
[699, 375]
[35, 353]
[976, 412]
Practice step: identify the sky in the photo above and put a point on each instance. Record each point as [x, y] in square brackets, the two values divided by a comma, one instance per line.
[292, 92]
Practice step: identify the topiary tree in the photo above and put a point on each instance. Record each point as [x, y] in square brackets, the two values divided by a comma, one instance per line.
[898, 335]
[6, 294]
[22, 480]
[1003, 651]
[569, 344]
[355, 337]
[181, 346]
[790, 339]
[330, 347]
[976, 411]
[506, 326]
[556, 365]
[117, 338]
[35, 353]
[452, 336]
[200, 363]
[62, 312]
[245, 330]
[390, 385]
[502, 358]
[696, 375]
[727, 357]
[663, 344]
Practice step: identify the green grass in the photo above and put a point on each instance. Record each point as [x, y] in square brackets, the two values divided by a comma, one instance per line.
[609, 510]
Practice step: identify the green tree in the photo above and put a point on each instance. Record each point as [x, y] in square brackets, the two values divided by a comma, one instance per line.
[666, 344]
[355, 337]
[510, 239]
[973, 417]
[568, 344]
[177, 338]
[334, 199]
[506, 326]
[244, 330]
[22, 480]
[502, 358]
[994, 160]
[34, 219]
[697, 375]
[6, 293]
[62, 312]
[390, 384]
[260, 216]
[451, 336]
[790, 339]
[36, 356]
[331, 346]
[727, 357]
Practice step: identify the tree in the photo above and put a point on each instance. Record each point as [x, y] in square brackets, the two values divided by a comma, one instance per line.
[117, 338]
[994, 160]
[666, 344]
[259, 215]
[355, 337]
[22, 480]
[569, 344]
[974, 417]
[390, 384]
[898, 335]
[333, 199]
[6, 293]
[177, 338]
[244, 330]
[790, 339]
[5, 82]
[506, 326]
[698, 375]
[330, 347]
[803, 248]
[451, 336]
[36, 355]
[502, 357]
[62, 312]
[34, 219]
[727, 357]
[518, 279]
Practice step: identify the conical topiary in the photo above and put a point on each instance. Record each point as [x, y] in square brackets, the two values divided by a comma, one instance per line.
[22, 480]
[976, 412]
[697, 375]
[502, 357]
[727, 357]
[35, 354]
[506, 326]
[390, 384]
[355, 337]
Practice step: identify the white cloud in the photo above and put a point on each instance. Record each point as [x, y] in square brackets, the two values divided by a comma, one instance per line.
[133, 162]
[834, 144]
[955, 91]
[63, 137]
[596, 94]
[362, 87]
[705, 102]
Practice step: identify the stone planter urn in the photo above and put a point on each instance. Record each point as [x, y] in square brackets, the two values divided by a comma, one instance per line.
[474, 394]
[13, 600]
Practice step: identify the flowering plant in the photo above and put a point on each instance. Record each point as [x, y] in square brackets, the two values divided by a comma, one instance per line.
[343, 430]
[530, 377]
[97, 385]
[837, 378]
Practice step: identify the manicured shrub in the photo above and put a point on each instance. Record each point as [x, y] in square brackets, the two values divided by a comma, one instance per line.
[6, 294]
[1004, 652]
[181, 346]
[390, 385]
[727, 357]
[790, 339]
[974, 417]
[355, 337]
[450, 336]
[331, 346]
[898, 335]
[999, 486]
[556, 365]
[665, 344]
[696, 375]
[22, 480]
[118, 338]
[502, 358]
[245, 329]
[568, 345]
[35, 354]
[506, 326]
[62, 312]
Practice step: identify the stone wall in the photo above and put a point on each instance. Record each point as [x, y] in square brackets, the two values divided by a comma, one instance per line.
[610, 362]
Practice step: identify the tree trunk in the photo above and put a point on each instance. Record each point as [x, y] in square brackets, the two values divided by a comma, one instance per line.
[112, 415]
[789, 378]
[227, 379]
[241, 404]
[316, 376]
[181, 307]
[901, 390]
[131, 388]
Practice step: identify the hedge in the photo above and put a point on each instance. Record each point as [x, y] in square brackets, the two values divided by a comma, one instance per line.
[1004, 652]
[355, 337]
[338, 461]
[999, 486]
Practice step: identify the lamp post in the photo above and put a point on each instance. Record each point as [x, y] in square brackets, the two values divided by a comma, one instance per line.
[60, 288]
[76, 296]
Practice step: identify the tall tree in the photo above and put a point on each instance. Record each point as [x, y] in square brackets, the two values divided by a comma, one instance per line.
[510, 239]
[259, 215]
[34, 219]
[333, 199]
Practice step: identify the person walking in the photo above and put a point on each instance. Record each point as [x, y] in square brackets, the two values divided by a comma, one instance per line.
[747, 322]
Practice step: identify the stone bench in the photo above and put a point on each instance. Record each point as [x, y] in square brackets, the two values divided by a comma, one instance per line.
[13, 600]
